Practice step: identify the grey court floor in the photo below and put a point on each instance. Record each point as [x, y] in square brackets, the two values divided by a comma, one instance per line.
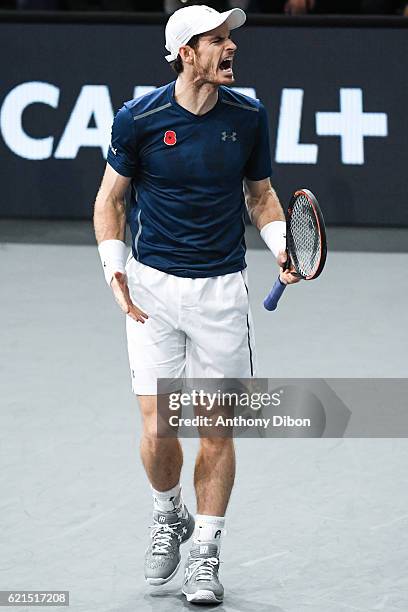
[313, 525]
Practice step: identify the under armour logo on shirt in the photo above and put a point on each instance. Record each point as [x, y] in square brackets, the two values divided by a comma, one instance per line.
[232, 136]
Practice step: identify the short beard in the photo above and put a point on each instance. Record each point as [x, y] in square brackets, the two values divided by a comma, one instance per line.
[203, 74]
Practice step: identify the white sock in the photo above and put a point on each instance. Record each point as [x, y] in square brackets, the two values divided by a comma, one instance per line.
[167, 501]
[209, 529]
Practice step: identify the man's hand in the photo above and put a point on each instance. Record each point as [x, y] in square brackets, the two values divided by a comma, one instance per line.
[287, 277]
[299, 7]
[121, 292]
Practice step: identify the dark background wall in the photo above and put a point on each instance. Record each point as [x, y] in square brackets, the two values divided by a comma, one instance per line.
[83, 72]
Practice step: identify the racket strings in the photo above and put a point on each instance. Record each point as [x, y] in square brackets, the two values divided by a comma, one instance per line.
[304, 237]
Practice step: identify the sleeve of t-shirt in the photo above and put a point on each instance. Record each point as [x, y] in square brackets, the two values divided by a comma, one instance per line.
[259, 165]
[122, 153]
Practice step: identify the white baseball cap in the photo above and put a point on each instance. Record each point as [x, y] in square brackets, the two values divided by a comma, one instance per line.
[197, 19]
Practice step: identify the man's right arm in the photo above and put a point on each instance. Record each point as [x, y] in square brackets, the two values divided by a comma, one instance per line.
[109, 213]
[110, 224]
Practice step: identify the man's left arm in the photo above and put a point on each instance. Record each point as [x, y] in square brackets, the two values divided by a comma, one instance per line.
[266, 213]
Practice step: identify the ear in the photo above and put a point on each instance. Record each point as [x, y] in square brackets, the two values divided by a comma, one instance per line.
[187, 54]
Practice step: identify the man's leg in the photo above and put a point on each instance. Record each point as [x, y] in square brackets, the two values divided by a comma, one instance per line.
[157, 350]
[213, 479]
[220, 345]
[162, 457]
[172, 523]
[214, 475]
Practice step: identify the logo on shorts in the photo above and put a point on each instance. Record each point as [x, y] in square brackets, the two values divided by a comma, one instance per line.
[170, 138]
[114, 151]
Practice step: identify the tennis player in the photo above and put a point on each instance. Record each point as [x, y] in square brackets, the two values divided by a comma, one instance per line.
[187, 150]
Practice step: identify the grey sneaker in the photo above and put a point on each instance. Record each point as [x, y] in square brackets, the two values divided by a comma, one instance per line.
[201, 583]
[162, 558]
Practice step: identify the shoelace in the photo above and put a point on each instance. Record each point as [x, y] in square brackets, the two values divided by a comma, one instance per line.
[162, 536]
[203, 567]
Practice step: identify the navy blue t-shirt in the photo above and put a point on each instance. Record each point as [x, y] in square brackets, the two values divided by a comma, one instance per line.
[187, 202]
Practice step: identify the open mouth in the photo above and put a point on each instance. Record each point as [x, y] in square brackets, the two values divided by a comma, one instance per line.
[226, 65]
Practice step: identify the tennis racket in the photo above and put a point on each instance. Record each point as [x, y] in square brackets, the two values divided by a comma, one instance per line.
[306, 245]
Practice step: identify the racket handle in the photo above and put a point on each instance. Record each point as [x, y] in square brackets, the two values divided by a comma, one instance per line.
[271, 301]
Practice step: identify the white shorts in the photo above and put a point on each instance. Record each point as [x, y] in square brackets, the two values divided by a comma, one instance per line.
[197, 327]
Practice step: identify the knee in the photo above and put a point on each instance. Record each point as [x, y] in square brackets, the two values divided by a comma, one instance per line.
[149, 432]
[148, 411]
[216, 445]
[156, 443]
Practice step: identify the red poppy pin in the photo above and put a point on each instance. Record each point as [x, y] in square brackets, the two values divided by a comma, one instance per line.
[170, 138]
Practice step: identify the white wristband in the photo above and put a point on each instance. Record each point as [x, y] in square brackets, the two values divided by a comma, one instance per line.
[274, 236]
[113, 257]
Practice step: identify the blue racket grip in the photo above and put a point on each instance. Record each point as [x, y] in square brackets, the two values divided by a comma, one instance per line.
[271, 301]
